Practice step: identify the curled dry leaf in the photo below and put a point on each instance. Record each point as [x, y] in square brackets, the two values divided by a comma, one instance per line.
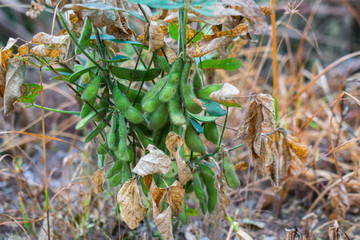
[339, 201]
[44, 51]
[184, 171]
[131, 209]
[269, 9]
[309, 223]
[175, 197]
[7, 52]
[251, 11]
[120, 28]
[158, 195]
[98, 180]
[226, 95]
[163, 222]
[156, 161]
[14, 79]
[334, 231]
[173, 142]
[295, 156]
[147, 181]
[47, 39]
[101, 18]
[156, 36]
[203, 46]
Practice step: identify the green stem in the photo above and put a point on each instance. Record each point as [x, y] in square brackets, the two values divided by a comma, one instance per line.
[145, 75]
[224, 127]
[53, 109]
[78, 45]
[276, 111]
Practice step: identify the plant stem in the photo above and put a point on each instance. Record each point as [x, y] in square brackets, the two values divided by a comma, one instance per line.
[224, 127]
[53, 109]
[78, 45]
[274, 58]
[145, 75]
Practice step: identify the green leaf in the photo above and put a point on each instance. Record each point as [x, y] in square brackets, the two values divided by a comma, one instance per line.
[111, 38]
[125, 73]
[196, 125]
[118, 58]
[213, 108]
[198, 36]
[192, 212]
[32, 91]
[203, 118]
[76, 75]
[163, 4]
[229, 64]
[174, 31]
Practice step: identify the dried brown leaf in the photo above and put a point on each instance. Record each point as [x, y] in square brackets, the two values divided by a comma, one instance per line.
[156, 161]
[47, 39]
[269, 9]
[184, 171]
[158, 195]
[301, 151]
[156, 36]
[131, 209]
[14, 79]
[173, 143]
[339, 201]
[194, 17]
[251, 11]
[175, 197]
[120, 29]
[163, 222]
[98, 180]
[147, 181]
[239, 30]
[203, 46]
[45, 51]
[101, 18]
[226, 95]
[7, 52]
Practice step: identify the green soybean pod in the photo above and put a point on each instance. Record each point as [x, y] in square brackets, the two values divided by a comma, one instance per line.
[120, 100]
[198, 82]
[113, 137]
[132, 93]
[76, 75]
[211, 132]
[82, 123]
[116, 168]
[152, 104]
[123, 151]
[230, 175]
[193, 141]
[86, 109]
[85, 36]
[208, 176]
[134, 116]
[126, 174]
[115, 180]
[97, 130]
[204, 93]
[92, 89]
[176, 112]
[183, 215]
[102, 149]
[101, 160]
[172, 84]
[187, 89]
[142, 138]
[159, 118]
[199, 191]
[155, 89]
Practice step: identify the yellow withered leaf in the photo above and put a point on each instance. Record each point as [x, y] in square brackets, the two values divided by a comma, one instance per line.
[175, 197]
[47, 39]
[7, 52]
[158, 195]
[98, 180]
[184, 171]
[130, 205]
[269, 9]
[156, 161]
[204, 46]
[226, 95]
[147, 181]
